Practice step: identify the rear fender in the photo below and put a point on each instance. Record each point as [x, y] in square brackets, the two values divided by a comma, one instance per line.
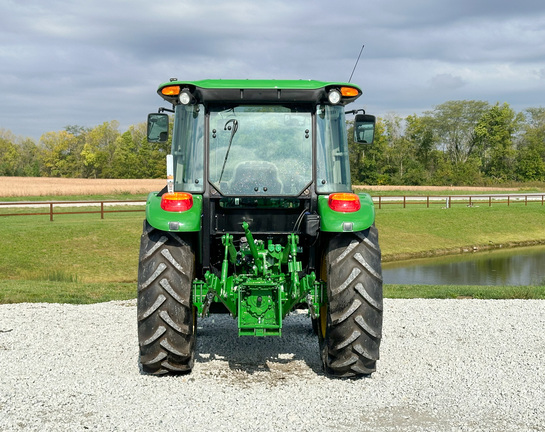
[186, 221]
[334, 221]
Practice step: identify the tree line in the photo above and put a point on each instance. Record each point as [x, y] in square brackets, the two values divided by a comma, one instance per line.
[457, 143]
[78, 152]
[470, 143]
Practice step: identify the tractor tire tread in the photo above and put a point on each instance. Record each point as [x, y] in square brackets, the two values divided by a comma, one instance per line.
[354, 325]
[164, 304]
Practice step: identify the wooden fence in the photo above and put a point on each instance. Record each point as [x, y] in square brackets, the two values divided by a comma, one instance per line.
[380, 201]
[450, 200]
[52, 205]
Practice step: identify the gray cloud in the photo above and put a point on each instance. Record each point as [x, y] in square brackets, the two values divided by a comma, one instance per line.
[447, 82]
[81, 62]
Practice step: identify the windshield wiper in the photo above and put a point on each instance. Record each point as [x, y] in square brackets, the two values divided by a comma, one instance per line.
[233, 130]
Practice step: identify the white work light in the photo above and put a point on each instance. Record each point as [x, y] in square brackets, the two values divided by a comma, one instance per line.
[185, 97]
[334, 97]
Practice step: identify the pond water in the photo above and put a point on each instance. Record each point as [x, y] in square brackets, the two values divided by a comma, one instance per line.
[516, 266]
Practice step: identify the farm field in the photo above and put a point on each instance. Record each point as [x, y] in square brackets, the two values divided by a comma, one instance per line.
[47, 187]
[68, 188]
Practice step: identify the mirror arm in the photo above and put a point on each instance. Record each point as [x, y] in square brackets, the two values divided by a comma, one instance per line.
[355, 111]
[162, 110]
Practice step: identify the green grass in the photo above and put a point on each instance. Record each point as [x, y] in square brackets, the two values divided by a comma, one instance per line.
[20, 291]
[464, 292]
[83, 248]
[83, 259]
[24, 291]
[416, 231]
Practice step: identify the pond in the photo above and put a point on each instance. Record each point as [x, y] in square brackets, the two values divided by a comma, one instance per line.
[516, 266]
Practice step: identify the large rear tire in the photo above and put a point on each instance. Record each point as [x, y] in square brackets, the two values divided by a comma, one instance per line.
[166, 327]
[350, 324]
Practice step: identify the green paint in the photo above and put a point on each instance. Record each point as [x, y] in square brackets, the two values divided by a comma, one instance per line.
[256, 91]
[333, 221]
[259, 284]
[258, 280]
[258, 84]
[187, 221]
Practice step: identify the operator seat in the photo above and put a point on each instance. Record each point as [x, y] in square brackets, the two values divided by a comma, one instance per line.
[251, 175]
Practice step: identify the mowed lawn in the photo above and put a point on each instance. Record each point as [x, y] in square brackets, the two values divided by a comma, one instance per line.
[72, 247]
[420, 231]
[81, 258]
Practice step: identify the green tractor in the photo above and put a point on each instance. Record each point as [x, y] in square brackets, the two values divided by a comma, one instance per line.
[258, 218]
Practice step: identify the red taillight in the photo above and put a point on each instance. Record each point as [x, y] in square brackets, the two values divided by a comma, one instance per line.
[177, 201]
[344, 202]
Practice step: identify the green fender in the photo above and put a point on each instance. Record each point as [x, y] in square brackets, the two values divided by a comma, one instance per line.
[186, 221]
[334, 221]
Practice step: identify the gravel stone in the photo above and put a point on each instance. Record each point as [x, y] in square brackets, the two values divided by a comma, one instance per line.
[446, 365]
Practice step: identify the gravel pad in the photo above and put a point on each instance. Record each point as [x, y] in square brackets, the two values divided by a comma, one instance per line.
[453, 365]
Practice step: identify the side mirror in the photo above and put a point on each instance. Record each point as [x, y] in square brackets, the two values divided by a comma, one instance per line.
[158, 127]
[364, 128]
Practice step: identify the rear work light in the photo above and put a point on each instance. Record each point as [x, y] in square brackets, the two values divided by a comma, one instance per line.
[176, 201]
[334, 97]
[344, 202]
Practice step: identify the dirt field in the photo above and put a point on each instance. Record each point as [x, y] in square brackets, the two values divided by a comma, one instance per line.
[46, 186]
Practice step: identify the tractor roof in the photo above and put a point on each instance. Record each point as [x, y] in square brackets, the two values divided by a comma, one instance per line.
[257, 91]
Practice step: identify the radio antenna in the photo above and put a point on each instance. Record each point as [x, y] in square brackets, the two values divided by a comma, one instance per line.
[353, 70]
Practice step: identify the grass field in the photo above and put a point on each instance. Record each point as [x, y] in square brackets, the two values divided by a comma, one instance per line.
[82, 259]
[42, 291]
[417, 231]
[73, 248]
[74, 259]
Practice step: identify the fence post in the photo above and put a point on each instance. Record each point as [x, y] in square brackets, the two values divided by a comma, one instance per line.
[101, 210]
[428, 201]
[490, 201]
[380, 202]
[404, 200]
[50, 212]
[508, 200]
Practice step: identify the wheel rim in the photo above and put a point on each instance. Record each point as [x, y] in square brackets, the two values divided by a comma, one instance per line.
[323, 320]
[194, 313]
[323, 307]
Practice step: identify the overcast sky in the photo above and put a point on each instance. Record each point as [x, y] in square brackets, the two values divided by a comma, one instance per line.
[85, 62]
